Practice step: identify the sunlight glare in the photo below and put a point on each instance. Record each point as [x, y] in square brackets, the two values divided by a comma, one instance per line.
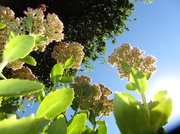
[173, 88]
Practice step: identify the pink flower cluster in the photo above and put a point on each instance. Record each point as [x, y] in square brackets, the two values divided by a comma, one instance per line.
[63, 51]
[6, 17]
[33, 23]
[93, 94]
[23, 73]
[133, 57]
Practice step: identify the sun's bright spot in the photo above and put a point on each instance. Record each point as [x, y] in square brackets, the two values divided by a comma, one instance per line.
[173, 88]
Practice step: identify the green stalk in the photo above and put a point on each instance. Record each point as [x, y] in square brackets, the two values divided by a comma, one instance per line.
[54, 87]
[143, 98]
[145, 105]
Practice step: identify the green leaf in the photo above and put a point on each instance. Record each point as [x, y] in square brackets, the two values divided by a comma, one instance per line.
[2, 116]
[75, 104]
[18, 47]
[148, 75]
[139, 81]
[77, 124]
[29, 22]
[11, 35]
[130, 87]
[153, 104]
[40, 96]
[92, 117]
[66, 79]
[56, 73]
[85, 104]
[88, 130]
[102, 129]
[55, 103]
[126, 66]
[130, 115]
[8, 108]
[162, 111]
[18, 87]
[40, 40]
[58, 126]
[28, 125]
[29, 60]
[69, 62]
[2, 25]
[101, 122]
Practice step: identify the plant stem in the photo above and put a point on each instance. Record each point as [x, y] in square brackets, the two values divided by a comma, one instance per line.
[54, 87]
[143, 97]
[145, 105]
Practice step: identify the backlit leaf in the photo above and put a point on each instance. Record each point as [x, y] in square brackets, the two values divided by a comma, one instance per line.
[130, 115]
[39, 96]
[162, 111]
[69, 63]
[18, 87]
[2, 25]
[66, 79]
[139, 80]
[77, 124]
[40, 40]
[29, 60]
[18, 47]
[55, 103]
[102, 129]
[56, 73]
[58, 126]
[28, 125]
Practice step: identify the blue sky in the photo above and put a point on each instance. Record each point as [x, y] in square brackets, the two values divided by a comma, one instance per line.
[156, 31]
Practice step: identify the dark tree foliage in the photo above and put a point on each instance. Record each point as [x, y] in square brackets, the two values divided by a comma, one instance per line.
[88, 22]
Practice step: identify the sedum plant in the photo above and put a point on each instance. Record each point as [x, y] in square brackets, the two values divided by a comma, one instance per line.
[29, 34]
[149, 117]
[89, 102]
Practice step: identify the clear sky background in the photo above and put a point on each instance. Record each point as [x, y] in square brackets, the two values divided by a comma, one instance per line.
[157, 31]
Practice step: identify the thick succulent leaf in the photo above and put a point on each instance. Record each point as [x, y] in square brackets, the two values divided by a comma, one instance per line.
[12, 35]
[2, 25]
[77, 124]
[130, 87]
[29, 60]
[139, 81]
[130, 115]
[69, 63]
[66, 79]
[40, 40]
[29, 22]
[126, 66]
[85, 104]
[18, 87]
[40, 96]
[102, 129]
[162, 111]
[28, 125]
[88, 130]
[55, 103]
[58, 126]
[18, 47]
[56, 73]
